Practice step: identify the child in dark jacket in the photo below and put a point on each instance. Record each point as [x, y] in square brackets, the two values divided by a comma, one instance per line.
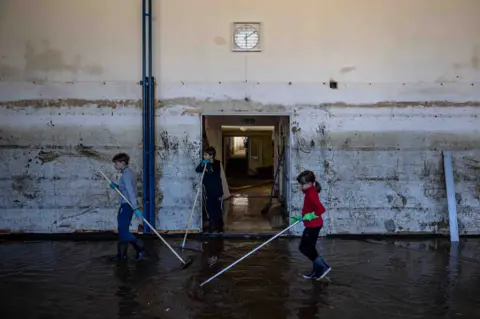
[212, 183]
[312, 205]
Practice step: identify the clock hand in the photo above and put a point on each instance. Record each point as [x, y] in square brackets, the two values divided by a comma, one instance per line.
[250, 34]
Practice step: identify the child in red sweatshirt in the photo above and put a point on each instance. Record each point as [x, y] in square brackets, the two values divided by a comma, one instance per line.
[312, 206]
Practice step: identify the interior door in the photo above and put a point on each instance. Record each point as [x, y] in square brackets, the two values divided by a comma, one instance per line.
[254, 153]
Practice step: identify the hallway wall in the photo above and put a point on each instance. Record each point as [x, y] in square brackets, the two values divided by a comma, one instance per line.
[266, 141]
[376, 89]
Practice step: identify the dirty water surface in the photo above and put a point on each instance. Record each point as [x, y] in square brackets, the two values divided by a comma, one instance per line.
[370, 279]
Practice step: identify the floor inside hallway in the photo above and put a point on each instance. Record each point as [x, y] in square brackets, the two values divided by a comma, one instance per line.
[243, 211]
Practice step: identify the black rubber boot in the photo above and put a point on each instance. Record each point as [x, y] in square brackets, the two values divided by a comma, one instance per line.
[140, 248]
[121, 253]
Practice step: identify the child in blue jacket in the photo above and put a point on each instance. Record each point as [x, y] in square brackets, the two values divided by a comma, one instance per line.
[127, 185]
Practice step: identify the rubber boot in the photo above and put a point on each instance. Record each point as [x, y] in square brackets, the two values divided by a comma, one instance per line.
[310, 274]
[121, 252]
[321, 268]
[140, 248]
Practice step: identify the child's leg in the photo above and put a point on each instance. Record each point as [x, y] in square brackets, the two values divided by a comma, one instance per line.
[124, 220]
[122, 246]
[309, 241]
[209, 209]
[214, 210]
[308, 248]
[320, 267]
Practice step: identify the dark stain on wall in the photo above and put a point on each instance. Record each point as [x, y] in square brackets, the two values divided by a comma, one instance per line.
[326, 167]
[404, 200]
[458, 198]
[192, 148]
[396, 141]
[78, 151]
[42, 61]
[435, 190]
[296, 127]
[237, 105]
[440, 225]
[390, 199]
[47, 60]
[427, 168]
[71, 103]
[390, 225]
[397, 104]
[158, 191]
[461, 226]
[23, 185]
[240, 105]
[170, 143]
[47, 156]
[87, 151]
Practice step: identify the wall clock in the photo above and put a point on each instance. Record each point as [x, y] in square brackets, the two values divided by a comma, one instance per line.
[246, 37]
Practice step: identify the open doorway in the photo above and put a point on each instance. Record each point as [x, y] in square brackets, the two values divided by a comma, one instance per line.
[248, 157]
[254, 152]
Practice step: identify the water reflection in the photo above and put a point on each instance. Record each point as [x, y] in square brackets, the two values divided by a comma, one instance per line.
[128, 306]
[383, 279]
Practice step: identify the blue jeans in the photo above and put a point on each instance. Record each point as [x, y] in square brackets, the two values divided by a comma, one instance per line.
[124, 218]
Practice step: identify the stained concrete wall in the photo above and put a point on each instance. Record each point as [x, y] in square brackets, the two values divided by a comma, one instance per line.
[407, 71]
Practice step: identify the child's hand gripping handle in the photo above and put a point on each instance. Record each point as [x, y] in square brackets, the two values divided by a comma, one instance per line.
[307, 217]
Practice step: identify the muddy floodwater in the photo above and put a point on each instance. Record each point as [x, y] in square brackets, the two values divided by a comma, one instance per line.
[370, 279]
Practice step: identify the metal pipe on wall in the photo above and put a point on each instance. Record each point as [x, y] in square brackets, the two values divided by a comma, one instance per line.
[151, 141]
[144, 118]
[148, 115]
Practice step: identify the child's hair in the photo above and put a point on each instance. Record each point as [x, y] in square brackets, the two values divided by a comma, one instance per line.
[210, 151]
[121, 157]
[309, 177]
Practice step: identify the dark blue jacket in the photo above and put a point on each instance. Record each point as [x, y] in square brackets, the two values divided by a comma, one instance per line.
[212, 179]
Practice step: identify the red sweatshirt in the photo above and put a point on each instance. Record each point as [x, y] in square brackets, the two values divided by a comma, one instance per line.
[312, 203]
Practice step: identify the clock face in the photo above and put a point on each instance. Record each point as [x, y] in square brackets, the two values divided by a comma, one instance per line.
[246, 37]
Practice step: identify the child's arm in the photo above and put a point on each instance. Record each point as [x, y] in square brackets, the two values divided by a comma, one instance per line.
[131, 188]
[319, 208]
[199, 168]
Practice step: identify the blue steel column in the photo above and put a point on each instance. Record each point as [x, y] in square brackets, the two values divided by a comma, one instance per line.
[145, 180]
[148, 119]
[151, 140]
